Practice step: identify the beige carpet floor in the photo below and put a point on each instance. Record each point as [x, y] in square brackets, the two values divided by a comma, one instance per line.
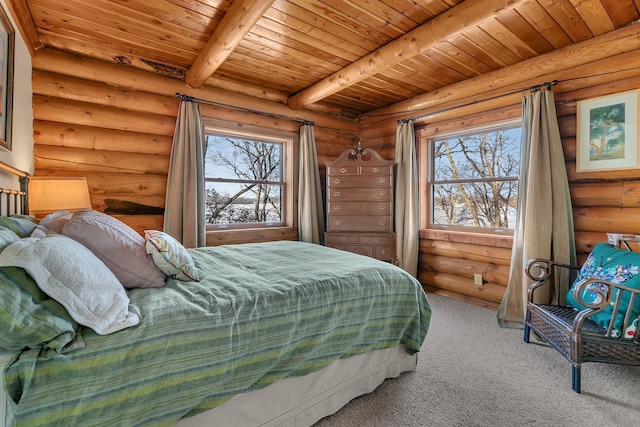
[471, 372]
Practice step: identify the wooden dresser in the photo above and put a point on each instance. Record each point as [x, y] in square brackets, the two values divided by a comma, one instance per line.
[360, 204]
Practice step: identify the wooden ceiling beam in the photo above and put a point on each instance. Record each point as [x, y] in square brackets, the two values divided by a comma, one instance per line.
[19, 11]
[237, 22]
[444, 26]
[620, 41]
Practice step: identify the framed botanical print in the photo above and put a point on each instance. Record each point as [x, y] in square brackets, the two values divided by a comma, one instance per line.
[607, 134]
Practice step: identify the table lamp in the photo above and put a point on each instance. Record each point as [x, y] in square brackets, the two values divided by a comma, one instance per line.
[51, 194]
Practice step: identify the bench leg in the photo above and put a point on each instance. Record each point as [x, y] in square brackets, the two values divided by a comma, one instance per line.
[527, 331]
[575, 378]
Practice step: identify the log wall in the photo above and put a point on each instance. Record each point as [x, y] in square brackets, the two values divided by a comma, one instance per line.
[114, 125]
[606, 201]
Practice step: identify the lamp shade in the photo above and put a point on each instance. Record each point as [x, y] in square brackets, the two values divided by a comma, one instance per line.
[48, 195]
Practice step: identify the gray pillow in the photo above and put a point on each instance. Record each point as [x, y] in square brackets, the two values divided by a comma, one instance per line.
[118, 246]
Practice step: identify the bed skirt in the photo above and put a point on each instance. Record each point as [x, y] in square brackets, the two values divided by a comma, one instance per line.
[299, 401]
[302, 401]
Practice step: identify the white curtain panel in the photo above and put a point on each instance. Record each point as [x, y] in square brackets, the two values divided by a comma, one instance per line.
[406, 199]
[544, 226]
[184, 207]
[310, 212]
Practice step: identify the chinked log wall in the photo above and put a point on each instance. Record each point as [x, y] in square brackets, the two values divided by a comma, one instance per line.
[602, 201]
[114, 125]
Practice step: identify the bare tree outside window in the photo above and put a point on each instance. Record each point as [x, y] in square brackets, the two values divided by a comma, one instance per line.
[243, 180]
[474, 179]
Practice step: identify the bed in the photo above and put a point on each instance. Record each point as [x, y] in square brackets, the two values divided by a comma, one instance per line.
[270, 334]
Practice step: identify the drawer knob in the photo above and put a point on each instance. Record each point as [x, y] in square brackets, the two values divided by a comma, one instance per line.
[375, 170]
[343, 239]
[336, 180]
[336, 222]
[381, 180]
[337, 193]
[343, 170]
[382, 192]
[382, 206]
[336, 207]
[382, 222]
[384, 252]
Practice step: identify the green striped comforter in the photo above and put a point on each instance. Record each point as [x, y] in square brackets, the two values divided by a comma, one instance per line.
[261, 312]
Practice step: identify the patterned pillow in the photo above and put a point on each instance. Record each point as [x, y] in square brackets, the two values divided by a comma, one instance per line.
[170, 256]
[30, 318]
[615, 265]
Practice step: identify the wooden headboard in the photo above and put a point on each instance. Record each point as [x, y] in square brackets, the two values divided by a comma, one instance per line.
[12, 200]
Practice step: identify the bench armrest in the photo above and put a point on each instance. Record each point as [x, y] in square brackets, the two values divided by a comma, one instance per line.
[540, 270]
[606, 294]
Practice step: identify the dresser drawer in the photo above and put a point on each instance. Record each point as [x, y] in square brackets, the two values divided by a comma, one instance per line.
[376, 170]
[380, 239]
[360, 193]
[340, 239]
[359, 208]
[359, 181]
[384, 253]
[342, 170]
[357, 249]
[376, 245]
[372, 223]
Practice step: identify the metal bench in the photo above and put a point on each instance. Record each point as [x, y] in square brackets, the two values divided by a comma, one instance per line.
[572, 332]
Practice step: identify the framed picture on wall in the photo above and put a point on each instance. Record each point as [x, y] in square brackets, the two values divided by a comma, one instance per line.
[7, 48]
[607, 133]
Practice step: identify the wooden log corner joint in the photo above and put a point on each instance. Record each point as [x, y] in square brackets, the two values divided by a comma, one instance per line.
[360, 204]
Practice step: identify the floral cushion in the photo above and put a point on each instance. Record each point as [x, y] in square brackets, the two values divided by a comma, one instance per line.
[614, 265]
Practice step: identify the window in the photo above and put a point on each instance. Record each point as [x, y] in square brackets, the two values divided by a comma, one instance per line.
[473, 178]
[246, 181]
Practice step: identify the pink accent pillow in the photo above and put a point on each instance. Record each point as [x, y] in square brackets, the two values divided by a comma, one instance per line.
[118, 246]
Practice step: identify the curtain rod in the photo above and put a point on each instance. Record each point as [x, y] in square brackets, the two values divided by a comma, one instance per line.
[532, 89]
[185, 97]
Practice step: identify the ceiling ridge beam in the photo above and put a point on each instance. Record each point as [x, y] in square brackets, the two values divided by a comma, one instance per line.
[452, 22]
[236, 23]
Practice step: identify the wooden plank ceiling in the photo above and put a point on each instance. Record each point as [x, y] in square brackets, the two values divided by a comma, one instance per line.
[343, 57]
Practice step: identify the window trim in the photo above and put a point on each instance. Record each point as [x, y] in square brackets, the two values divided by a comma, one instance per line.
[425, 153]
[290, 187]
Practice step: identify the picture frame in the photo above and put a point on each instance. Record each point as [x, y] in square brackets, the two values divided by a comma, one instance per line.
[607, 133]
[7, 54]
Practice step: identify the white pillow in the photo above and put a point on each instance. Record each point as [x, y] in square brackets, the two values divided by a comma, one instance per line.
[55, 221]
[70, 274]
[170, 256]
